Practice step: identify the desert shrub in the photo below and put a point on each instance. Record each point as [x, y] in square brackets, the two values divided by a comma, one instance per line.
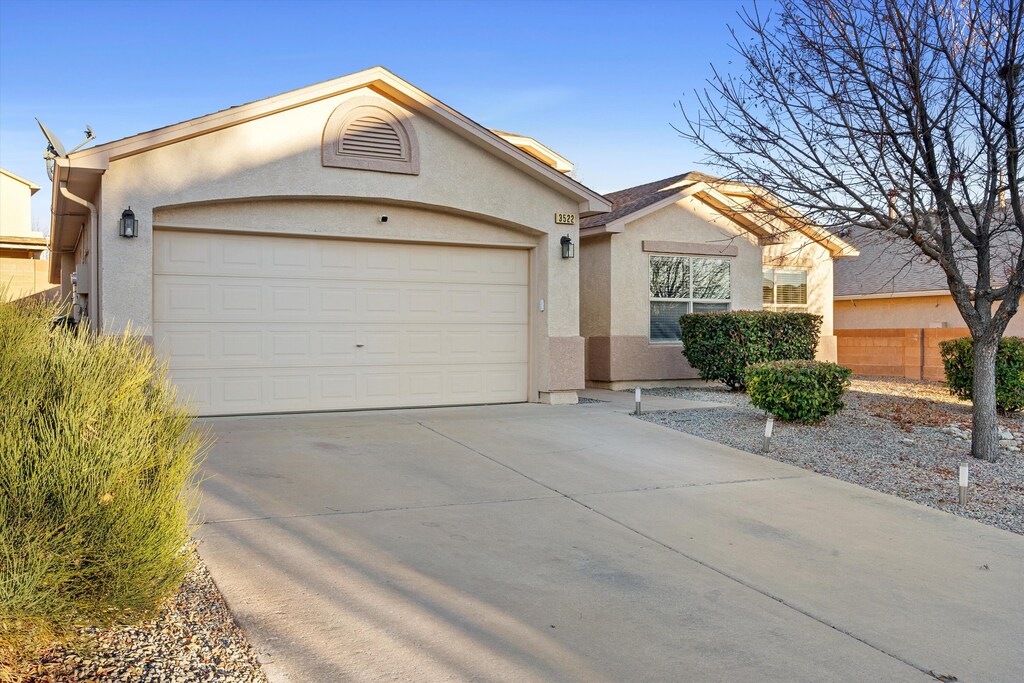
[803, 390]
[98, 481]
[720, 346]
[958, 360]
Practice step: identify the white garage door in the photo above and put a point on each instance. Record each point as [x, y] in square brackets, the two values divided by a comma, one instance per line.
[255, 324]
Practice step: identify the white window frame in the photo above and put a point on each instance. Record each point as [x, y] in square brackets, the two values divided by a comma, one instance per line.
[690, 300]
[775, 287]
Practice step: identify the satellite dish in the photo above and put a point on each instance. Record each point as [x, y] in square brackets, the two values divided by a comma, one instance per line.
[55, 147]
[89, 135]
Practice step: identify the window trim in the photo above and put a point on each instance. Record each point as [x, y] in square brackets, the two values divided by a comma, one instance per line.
[690, 300]
[775, 288]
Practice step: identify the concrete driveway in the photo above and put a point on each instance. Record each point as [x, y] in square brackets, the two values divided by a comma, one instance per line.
[532, 542]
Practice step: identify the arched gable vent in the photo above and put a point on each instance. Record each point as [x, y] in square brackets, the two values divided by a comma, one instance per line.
[370, 134]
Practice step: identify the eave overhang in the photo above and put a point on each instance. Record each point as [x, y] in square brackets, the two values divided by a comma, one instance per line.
[68, 218]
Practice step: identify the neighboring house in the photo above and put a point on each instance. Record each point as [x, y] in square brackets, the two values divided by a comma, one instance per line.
[893, 308]
[22, 270]
[890, 285]
[352, 244]
[690, 244]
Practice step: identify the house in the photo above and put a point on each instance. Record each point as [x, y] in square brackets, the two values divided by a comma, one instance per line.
[891, 285]
[893, 307]
[352, 244]
[692, 243]
[23, 272]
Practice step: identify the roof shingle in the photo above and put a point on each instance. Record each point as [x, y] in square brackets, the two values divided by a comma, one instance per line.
[632, 199]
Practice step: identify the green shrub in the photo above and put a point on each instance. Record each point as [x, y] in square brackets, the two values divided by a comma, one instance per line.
[958, 359]
[804, 390]
[720, 346]
[98, 481]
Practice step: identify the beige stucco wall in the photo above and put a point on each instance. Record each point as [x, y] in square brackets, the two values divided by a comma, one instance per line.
[15, 208]
[614, 299]
[595, 285]
[266, 175]
[616, 305]
[907, 312]
[800, 251]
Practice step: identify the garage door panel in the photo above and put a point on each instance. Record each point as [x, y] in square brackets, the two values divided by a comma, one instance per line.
[268, 345]
[264, 324]
[242, 390]
[242, 255]
[189, 298]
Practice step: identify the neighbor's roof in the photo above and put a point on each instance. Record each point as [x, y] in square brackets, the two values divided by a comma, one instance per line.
[536, 149]
[32, 187]
[891, 266]
[730, 198]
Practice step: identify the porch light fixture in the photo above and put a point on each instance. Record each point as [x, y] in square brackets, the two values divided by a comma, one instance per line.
[128, 226]
[568, 248]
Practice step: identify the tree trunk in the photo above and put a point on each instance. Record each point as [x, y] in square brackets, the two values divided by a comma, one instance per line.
[985, 430]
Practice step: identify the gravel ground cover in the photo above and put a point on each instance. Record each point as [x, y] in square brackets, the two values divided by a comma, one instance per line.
[898, 437]
[193, 638]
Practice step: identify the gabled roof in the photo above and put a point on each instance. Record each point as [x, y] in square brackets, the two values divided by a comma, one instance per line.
[729, 198]
[376, 78]
[632, 199]
[32, 187]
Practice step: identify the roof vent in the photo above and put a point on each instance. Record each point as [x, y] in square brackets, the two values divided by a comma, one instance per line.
[371, 134]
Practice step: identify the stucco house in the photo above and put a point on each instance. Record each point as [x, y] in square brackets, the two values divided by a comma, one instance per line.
[352, 244]
[23, 270]
[890, 285]
[684, 244]
[893, 307]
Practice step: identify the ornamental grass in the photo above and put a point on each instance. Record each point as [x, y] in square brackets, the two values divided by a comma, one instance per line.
[99, 473]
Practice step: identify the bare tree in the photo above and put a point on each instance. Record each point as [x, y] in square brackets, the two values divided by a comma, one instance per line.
[901, 116]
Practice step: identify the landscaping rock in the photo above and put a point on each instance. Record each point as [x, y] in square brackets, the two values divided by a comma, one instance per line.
[878, 442]
[193, 638]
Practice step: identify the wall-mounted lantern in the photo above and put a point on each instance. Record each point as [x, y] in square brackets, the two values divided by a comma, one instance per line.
[128, 226]
[568, 248]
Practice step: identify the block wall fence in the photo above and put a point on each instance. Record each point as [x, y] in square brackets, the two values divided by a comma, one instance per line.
[910, 353]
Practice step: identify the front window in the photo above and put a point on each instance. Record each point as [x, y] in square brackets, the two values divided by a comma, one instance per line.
[686, 284]
[784, 289]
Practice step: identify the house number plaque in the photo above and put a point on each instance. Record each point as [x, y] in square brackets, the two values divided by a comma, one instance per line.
[565, 219]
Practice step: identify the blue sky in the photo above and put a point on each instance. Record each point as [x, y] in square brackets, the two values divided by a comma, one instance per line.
[597, 81]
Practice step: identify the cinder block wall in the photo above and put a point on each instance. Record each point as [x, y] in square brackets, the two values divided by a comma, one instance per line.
[910, 353]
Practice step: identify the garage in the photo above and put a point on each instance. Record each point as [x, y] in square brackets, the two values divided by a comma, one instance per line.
[351, 244]
[254, 323]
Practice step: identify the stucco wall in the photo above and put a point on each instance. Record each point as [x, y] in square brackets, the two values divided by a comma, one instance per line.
[688, 220]
[595, 286]
[616, 305]
[907, 312]
[799, 251]
[461, 194]
[15, 208]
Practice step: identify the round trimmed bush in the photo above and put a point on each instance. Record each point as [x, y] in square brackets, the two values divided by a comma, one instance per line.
[807, 391]
[958, 360]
